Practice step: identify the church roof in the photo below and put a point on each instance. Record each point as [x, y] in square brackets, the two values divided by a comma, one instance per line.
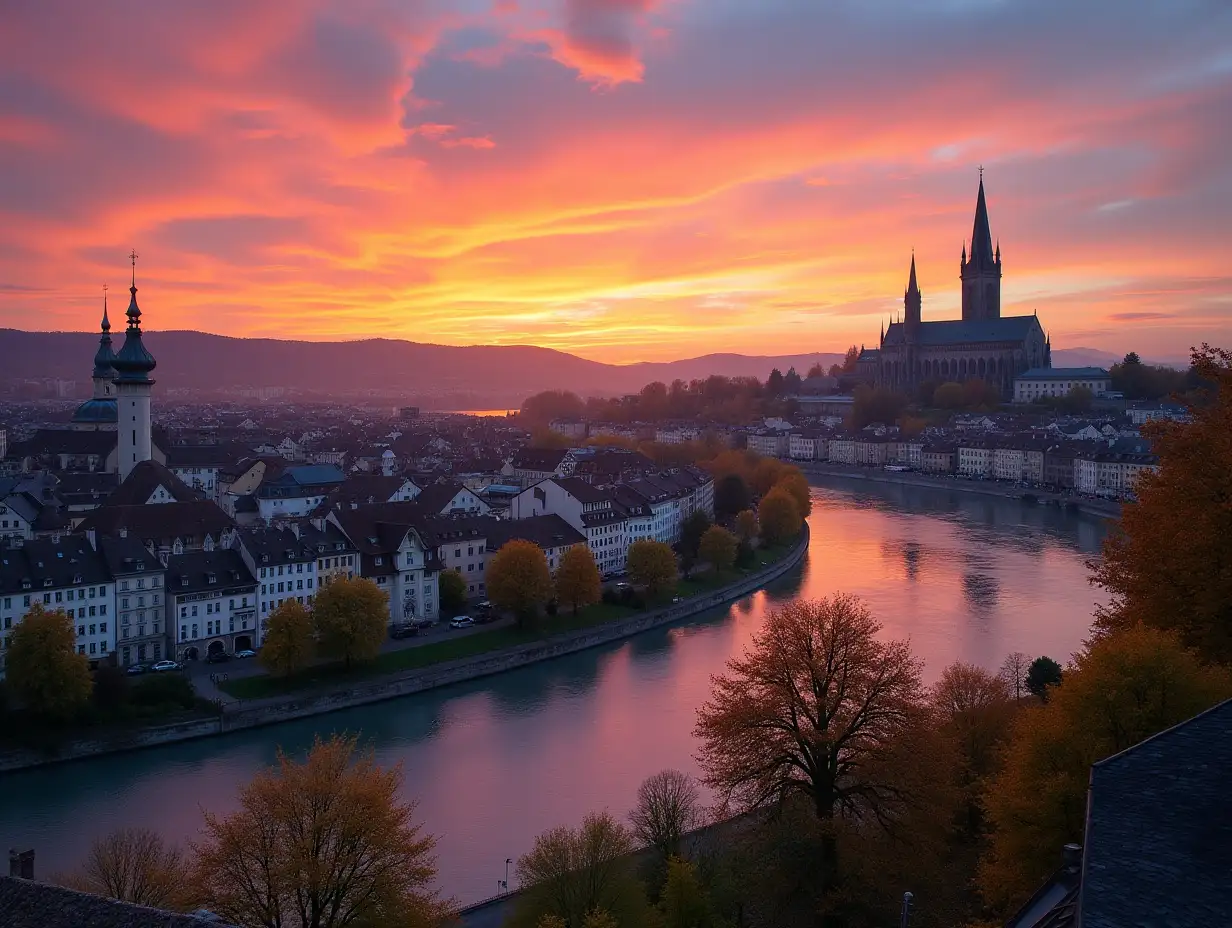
[981, 233]
[134, 362]
[97, 410]
[958, 331]
[104, 358]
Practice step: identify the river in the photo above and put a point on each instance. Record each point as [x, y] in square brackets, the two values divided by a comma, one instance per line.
[497, 761]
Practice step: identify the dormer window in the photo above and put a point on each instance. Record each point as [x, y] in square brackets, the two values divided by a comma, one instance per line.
[47, 581]
[264, 558]
[25, 584]
[210, 578]
[76, 578]
[183, 581]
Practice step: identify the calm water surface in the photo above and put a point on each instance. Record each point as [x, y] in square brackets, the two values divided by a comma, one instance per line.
[497, 761]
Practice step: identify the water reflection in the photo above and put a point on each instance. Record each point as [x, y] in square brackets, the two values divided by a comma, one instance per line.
[498, 760]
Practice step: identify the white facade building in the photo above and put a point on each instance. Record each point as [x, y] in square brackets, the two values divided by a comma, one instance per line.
[1050, 382]
[211, 604]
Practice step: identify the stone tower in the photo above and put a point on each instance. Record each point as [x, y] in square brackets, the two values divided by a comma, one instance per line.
[981, 272]
[132, 365]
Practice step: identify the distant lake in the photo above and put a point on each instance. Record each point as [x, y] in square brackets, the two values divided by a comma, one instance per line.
[496, 761]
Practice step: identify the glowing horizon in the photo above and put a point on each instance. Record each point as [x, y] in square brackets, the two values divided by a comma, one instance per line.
[621, 179]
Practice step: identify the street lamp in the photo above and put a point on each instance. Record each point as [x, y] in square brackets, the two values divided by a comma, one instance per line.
[504, 884]
[906, 913]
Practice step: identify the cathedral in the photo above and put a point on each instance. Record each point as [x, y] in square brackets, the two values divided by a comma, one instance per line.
[983, 344]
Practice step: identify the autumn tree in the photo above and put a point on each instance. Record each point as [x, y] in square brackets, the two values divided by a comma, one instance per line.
[570, 873]
[746, 525]
[288, 643]
[1120, 689]
[519, 580]
[822, 710]
[731, 495]
[691, 532]
[977, 708]
[451, 591]
[323, 843]
[779, 517]
[577, 578]
[43, 669]
[683, 902]
[1014, 673]
[133, 865]
[350, 617]
[669, 805]
[652, 565]
[797, 486]
[1043, 673]
[718, 548]
[767, 473]
[1164, 563]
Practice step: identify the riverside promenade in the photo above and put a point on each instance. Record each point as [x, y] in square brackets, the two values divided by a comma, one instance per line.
[1092, 506]
[244, 714]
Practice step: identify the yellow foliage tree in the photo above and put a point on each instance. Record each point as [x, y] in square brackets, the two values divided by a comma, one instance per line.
[326, 843]
[44, 671]
[1121, 689]
[652, 565]
[779, 517]
[1162, 564]
[718, 548]
[518, 579]
[577, 578]
[767, 473]
[288, 643]
[351, 617]
[746, 525]
[796, 484]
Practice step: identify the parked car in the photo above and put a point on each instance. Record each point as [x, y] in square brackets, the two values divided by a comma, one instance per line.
[404, 630]
[422, 623]
[217, 657]
[246, 653]
[137, 669]
[461, 621]
[165, 665]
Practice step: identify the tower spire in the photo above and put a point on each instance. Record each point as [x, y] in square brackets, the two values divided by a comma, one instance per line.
[106, 326]
[981, 234]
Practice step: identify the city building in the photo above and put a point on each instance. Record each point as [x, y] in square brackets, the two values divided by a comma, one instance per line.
[1055, 382]
[336, 555]
[140, 592]
[133, 364]
[394, 555]
[590, 510]
[297, 491]
[982, 344]
[211, 604]
[448, 497]
[284, 563]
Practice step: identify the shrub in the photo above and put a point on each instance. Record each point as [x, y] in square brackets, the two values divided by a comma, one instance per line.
[164, 689]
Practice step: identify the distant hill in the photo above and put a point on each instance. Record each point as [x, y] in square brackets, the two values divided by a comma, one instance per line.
[433, 376]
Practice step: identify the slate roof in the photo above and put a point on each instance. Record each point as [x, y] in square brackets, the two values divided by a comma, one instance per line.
[1059, 373]
[581, 490]
[957, 331]
[143, 480]
[436, 496]
[82, 488]
[538, 459]
[205, 455]
[325, 541]
[196, 567]
[274, 546]
[127, 555]
[1158, 846]
[66, 441]
[48, 564]
[365, 488]
[380, 528]
[550, 531]
[28, 904]
[155, 523]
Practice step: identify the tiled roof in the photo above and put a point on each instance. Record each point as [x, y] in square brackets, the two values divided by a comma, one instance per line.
[205, 455]
[66, 441]
[581, 490]
[127, 555]
[436, 496]
[276, 546]
[164, 521]
[548, 531]
[27, 904]
[1158, 846]
[539, 459]
[47, 564]
[143, 480]
[957, 331]
[196, 567]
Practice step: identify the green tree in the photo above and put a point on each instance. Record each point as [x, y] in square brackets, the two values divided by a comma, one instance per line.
[1121, 689]
[684, 902]
[652, 565]
[572, 872]
[324, 843]
[731, 495]
[578, 582]
[1043, 673]
[451, 588]
[746, 525]
[350, 617]
[45, 673]
[519, 580]
[779, 517]
[949, 395]
[288, 643]
[774, 383]
[718, 548]
[691, 532]
[1164, 562]
[876, 404]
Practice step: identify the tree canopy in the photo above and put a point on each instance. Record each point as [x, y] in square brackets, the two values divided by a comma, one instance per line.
[652, 565]
[451, 592]
[779, 517]
[577, 578]
[288, 643]
[351, 617]
[718, 548]
[43, 669]
[518, 579]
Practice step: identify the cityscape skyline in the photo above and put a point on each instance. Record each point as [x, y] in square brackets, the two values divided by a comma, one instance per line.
[621, 179]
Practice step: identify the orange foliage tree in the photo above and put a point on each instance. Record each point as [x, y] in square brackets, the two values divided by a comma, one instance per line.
[1121, 689]
[577, 578]
[326, 843]
[351, 617]
[518, 579]
[44, 671]
[288, 643]
[779, 517]
[1167, 565]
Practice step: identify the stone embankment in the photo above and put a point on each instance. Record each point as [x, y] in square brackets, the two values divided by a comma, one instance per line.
[1097, 507]
[255, 713]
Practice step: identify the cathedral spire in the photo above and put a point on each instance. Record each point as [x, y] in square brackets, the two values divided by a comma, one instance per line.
[104, 357]
[981, 234]
[134, 362]
[912, 286]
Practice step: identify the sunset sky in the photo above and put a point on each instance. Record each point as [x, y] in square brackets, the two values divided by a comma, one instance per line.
[623, 179]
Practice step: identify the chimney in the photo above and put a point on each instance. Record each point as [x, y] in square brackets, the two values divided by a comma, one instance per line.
[21, 864]
[92, 537]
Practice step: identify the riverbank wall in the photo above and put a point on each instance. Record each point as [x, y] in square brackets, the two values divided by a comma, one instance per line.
[257, 713]
[1104, 508]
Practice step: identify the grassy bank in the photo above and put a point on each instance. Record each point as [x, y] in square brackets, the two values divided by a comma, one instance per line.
[482, 642]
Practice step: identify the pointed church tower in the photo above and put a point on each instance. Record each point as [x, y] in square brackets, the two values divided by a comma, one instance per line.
[981, 271]
[132, 385]
[104, 358]
[912, 302]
